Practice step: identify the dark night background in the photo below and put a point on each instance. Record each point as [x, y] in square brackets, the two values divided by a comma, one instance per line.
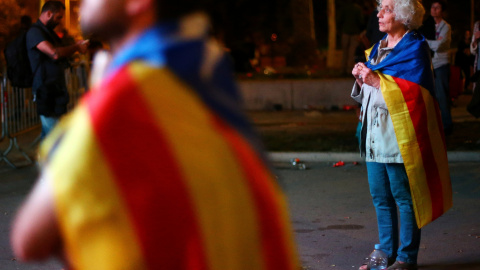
[246, 24]
[275, 33]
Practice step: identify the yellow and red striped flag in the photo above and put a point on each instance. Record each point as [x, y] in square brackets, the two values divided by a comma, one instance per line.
[153, 170]
[406, 82]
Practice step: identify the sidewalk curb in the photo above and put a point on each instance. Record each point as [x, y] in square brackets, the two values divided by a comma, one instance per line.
[455, 156]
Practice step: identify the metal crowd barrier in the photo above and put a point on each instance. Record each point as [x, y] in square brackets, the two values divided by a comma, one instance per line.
[76, 79]
[19, 111]
[19, 116]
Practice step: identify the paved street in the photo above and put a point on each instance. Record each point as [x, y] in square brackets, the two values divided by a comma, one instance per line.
[332, 216]
[335, 224]
[331, 209]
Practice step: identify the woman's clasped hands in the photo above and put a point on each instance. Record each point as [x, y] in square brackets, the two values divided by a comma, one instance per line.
[365, 75]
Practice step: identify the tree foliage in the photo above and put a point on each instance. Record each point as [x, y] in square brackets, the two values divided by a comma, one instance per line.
[9, 21]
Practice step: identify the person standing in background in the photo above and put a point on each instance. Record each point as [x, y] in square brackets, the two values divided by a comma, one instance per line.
[440, 46]
[473, 106]
[464, 58]
[373, 32]
[475, 49]
[48, 62]
[350, 21]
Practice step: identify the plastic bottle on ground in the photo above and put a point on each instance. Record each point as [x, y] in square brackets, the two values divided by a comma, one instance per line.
[378, 260]
[297, 164]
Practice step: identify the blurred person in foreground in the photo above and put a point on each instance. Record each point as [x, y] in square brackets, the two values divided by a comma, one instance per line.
[440, 46]
[158, 168]
[402, 138]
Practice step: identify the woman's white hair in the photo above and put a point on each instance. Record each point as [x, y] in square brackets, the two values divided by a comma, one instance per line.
[409, 12]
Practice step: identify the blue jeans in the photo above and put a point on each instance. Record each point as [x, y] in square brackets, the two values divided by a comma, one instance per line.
[389, 187]
[48, 123]
[442, 92]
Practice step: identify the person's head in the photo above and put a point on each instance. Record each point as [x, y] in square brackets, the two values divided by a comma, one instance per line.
[112, 18]
[52, 13]
[396, 15]
[437, 8]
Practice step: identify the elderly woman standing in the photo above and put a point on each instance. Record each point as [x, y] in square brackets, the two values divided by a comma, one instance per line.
[402, 136]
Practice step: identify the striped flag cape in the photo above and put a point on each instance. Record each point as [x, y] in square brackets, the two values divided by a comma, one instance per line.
[406, 82]
[157, 169]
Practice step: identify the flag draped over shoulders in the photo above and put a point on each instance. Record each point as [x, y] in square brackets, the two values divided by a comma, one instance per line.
[406, 82]
[158, 169]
